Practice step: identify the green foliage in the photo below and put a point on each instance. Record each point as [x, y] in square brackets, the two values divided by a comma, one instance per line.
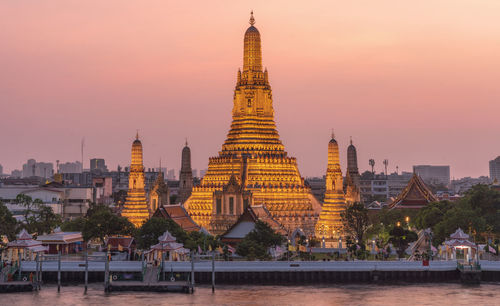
[101, 222]
[45, 220]
[147, 235]
[401, 238]
[478, 211]
[487, 201]
[432, 214]
[258, 241]
[8, 224]
[355, 220]
[463, 216]
[75, 225]
[38, 218]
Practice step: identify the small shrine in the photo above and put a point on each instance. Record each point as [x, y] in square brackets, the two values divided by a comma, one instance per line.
[167, 245]
[24, 248]
[459, 241]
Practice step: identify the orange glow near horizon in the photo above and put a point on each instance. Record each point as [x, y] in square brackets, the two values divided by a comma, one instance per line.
[413, 82]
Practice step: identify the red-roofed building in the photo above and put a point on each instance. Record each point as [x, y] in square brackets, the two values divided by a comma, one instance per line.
[179, 215]
[415, 195]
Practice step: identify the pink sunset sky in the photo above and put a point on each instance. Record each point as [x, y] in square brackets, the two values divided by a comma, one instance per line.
[416, 82]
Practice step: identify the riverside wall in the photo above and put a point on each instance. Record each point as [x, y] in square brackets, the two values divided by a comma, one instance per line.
[273, 272]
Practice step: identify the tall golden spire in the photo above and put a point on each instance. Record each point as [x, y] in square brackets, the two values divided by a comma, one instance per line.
[253, 155]
[252, 53]
[135, 208]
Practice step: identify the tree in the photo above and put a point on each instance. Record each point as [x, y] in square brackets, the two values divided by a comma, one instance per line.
[45, 220]
[102, 222]
[75, 225]
[147, 235]
[355, 220]
[401, 238]
[30, 205]
[38, 218]
[487, 201]
[257, 242]
[461, 215]
[8, 224]
[432, 214]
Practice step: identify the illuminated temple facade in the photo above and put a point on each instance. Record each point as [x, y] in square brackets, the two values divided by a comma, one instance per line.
[253, 167]
[329, 226]
[136, 206]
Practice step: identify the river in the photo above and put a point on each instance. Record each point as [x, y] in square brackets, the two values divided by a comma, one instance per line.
[361, 294]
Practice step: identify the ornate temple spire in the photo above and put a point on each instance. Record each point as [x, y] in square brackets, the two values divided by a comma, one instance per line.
[252, 54]
[252, 20]
[137, 135]
[135, 208]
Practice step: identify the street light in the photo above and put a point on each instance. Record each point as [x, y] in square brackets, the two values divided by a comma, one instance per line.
[398, 224]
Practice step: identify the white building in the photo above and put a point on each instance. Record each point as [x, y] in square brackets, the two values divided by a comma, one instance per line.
[69, 202]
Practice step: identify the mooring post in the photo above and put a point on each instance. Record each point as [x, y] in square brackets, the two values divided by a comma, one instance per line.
[19, 265]
[192, 271]
[59, 271]
[213, 272]
[106, 272]
[36, 272]
[41, 273]
[162, 265]
[86, 269]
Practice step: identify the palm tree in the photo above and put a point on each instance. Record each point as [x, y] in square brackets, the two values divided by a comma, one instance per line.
[371, 162]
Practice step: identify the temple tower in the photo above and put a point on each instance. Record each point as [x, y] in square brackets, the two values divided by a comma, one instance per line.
[352, 183]
[186, 175]
[254, 155]
[329, 226]
[136, 207]
[159, 194]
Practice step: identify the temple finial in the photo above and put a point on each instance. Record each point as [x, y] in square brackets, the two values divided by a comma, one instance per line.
[159, 170]
[137, 135]
[186, 142]
[350, 139]
[333, 134]
[252, 20]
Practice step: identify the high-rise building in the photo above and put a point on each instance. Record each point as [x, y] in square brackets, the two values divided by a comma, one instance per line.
[433, 175]
[171, 175]
[1, 170]
[136, 207]
[69, 167]
[40, 169]
[329, 226]
[195, 172]
[495, 169]
[185, 176]
[98, 164]
[254, 155]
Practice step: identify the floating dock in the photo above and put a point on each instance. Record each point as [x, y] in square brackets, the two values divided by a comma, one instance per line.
[179, 286]
[16, 286]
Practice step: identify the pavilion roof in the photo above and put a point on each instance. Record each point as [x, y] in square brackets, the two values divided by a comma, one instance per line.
[415, 195]
[166, 238]
[459, 234]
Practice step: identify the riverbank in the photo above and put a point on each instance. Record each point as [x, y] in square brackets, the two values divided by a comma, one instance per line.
[275, 272]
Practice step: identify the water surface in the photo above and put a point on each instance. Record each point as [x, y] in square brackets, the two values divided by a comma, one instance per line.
[361, 294]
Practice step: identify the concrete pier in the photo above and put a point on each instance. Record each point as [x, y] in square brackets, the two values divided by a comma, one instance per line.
[275, 272]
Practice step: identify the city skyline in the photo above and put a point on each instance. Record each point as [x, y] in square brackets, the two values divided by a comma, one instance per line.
[416, 93]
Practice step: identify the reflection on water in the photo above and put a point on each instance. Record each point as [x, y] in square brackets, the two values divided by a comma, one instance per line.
[421, 294]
